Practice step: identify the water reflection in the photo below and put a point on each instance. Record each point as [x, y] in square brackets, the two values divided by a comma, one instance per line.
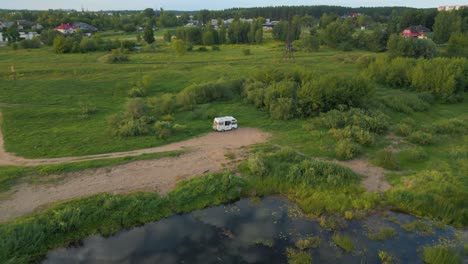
[245, 232]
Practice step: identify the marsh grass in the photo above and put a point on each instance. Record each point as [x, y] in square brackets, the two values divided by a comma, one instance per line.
[298, 257]
[383, 233]
[344, 242]
[440, 254]
[308, 242]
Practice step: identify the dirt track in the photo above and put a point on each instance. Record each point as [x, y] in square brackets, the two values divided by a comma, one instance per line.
[238, 138]
[207, 154]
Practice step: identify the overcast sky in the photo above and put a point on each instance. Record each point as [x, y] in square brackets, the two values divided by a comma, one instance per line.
[208, 4]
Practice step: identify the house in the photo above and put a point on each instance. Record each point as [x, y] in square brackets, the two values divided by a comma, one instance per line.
[85, 27]
[66, 29]
[2, 39]
[28, 35]
[6, 24]
[452, 7]
[24, 24]
[37, 26]
[415, 32]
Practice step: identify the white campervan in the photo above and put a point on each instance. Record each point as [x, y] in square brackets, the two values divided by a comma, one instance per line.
[224, 123]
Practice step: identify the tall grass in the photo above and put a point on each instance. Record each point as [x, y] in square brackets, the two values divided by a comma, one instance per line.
[440, 254]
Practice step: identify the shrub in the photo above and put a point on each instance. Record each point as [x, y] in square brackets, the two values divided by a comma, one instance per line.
[421, 138]
[257, 166]
[346, 149]
[180, 47]
[137, 92]
[440, 254]
[162, 105]
[298, 257]
[417, 154]
[208, 92]
[403, 129]
[386, 159]
[215, 48]
[343, 241]
[163, 129]
[202, 49]
[179, 128]
[87, 109]
[246, 52]
[450, 126]
[375, 122]
[34, 43]
[282, 108]
[118, 56]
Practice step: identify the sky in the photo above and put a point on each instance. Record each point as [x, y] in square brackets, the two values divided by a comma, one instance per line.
[188, 5]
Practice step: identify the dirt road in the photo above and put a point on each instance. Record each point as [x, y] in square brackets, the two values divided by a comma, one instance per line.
[207, 154]
[218, 140]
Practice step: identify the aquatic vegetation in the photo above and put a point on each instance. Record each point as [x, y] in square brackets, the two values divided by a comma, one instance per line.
[385, 257]
[418, 226]
[308, 242]
[440, 254]
[298, 257]
[382, 234]
[344, 242]
[265, 242]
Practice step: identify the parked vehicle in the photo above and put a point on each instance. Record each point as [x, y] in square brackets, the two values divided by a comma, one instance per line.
[224, 123]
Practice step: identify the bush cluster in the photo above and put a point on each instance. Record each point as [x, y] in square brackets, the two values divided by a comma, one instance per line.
[208, 92]
[302, 94]
[137, 120]
[352, 129]
[446, 78]
[34, 43]
[76, 43]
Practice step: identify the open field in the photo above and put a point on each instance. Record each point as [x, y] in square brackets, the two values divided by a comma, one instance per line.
[43, 122]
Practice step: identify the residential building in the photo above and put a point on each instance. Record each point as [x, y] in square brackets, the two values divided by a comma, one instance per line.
[85, 27]
[452, 7]
[66, 29]
[416, 32]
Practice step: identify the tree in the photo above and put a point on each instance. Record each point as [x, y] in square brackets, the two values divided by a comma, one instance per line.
[168, 36]
[204, 16]
[12, 33]
[337, 33]
[60, 44]
[149, 13]
[445, 24]
[179, 47]
[148, 34]
[458, 45]
[399, 46]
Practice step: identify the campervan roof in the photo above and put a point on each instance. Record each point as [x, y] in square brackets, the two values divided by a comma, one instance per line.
[225, 118]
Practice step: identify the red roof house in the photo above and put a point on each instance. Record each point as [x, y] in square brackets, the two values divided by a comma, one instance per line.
[415, 32]
[66, 29]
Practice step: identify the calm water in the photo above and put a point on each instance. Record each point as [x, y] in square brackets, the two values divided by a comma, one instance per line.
[234, 234]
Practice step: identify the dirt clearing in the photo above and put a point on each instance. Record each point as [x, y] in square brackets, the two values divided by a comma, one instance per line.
[207, 155]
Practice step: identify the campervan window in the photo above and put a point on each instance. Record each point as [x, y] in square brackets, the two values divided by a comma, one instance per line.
[227, 123]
